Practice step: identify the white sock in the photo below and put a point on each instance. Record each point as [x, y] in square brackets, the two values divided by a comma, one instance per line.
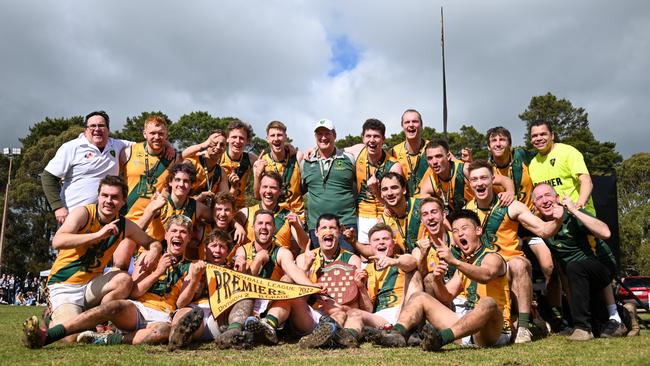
[613, 313]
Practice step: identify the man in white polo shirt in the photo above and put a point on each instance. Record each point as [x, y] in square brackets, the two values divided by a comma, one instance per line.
[81, 163]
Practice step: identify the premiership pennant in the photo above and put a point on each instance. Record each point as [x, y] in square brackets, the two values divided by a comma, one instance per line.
[226, 287]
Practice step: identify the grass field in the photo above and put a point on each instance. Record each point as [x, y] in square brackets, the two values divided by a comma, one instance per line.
[554, 350]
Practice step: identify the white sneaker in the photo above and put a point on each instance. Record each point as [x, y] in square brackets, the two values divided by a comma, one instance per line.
[524, 336]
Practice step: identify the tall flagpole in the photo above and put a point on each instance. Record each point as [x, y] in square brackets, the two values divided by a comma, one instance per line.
[444, 78]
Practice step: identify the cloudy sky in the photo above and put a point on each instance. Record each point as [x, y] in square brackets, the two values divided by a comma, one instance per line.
[298, 61]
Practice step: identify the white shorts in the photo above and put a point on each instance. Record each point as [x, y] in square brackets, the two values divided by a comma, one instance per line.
[390, 315]
[315, 315]
[148, 315]
[211, 327]
[364, 224]
[535, 241]
[260, 306]
[468, 341]
[84, 296]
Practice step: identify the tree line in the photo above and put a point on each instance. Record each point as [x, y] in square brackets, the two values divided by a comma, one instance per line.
[31, 224]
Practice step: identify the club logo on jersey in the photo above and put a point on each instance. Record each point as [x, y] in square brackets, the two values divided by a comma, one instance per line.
[553, 162]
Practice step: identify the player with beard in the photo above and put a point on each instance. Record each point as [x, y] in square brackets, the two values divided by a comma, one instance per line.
[371, 164]
[282, 159]
[287, 222]
[304, 315]
[85, 243]
[145, 320]
[264, 258]
[587, 261]
[236, 163]
[448, 178]
[410, 153]
[195, 321]
[480, 281]
[206, 159]
[500, 227]
[145, 170]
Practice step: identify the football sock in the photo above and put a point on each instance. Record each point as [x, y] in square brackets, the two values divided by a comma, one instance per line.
[54, 334]
[401, 329]
[447, 336]
[354, 333]
[273, 321]
[613, 313]
[235, 325]
[524, 320]
[114, 338]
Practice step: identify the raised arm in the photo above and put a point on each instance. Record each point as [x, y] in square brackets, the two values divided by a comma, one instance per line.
[68, 238]
[598, 228]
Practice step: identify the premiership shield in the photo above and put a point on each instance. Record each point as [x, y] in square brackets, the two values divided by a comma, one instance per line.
[339, 279]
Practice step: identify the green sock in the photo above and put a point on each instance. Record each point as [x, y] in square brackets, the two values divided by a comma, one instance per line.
[401, 329]
[557, 312]
[273, 321]
[524, 320]
[54, 334]
[447, 336]
[114, 338]
[235, 325]
[354, 333]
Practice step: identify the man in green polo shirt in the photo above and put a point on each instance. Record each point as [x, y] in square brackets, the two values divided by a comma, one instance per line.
[328, 177]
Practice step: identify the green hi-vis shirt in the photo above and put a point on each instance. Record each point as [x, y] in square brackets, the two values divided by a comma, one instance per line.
[330, 187]
[574, 242]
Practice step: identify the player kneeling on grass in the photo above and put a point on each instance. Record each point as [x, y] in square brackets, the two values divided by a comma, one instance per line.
[482, 318]
[145, 320]
[195, 322]
[387, 284]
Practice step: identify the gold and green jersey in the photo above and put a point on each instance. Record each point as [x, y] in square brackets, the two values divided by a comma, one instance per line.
[386, 286]
[454, 192]
[162, 295]
[243, 168]
[517, 171]
[498, 288]
[319, 262]
[499, 230]
[368, 205]
[157, 227]
[414, 166]
[207, 178]
[80, 265]
[282, 234]
[145, 174]
[271, 269]
[291, 191]
[407, 230]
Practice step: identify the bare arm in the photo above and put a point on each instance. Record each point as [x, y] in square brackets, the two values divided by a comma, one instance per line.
[445, 293]
[586, 186]
[361, 280]
[191, 283]
[143, 279]
[598, 228]
[544, 229]
[491, 267]
[285, 260]
[68, 238]
[405, 262]
[297, 231]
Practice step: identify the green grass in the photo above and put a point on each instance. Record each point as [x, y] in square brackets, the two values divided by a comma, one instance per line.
[554, 350]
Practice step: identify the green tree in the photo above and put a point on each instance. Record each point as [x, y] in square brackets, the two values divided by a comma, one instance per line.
[634, 212]
[196, 127]
[50, 127]
[348, 141]
[31, 224]
[571, 126]
[133, 127]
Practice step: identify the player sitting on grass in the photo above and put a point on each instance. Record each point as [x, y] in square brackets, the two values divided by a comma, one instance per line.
[146, 320]
[482, 318]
